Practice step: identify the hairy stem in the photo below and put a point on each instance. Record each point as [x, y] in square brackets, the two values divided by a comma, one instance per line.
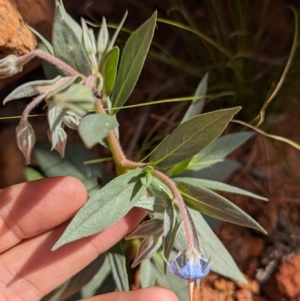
[184, 213]
[22, 60]
[31, 106]
[122, 163]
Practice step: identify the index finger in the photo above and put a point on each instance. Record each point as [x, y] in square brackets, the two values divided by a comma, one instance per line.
[32, 208]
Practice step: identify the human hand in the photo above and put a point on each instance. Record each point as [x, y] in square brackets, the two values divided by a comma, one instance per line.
[33, 215]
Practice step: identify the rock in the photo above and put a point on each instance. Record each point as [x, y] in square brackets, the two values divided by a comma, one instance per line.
[285, 283]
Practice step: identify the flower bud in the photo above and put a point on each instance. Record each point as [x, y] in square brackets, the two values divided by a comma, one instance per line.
[9, 66]
[190, 265]
[25, 139]
[72, 120]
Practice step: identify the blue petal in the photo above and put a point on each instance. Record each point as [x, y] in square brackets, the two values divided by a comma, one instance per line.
[189, 267]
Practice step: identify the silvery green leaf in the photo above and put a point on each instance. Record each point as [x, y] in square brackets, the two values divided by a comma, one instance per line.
[25, 139]
[67, 44]
[218, 150]
[94, 128]
[105, 207]
[212, 248]
[152, 204]
[147, 228]
[108, 68]
[132, 61]
[62, 84]
[72, 120]
[148, 248]
[55, 116]
[47, 45]
[191, 137]
[114, 37]
[103, 38]
[196, 106]
[30, 89]
[215, 185]
[212, 204]
[117, 261]
[159, 189]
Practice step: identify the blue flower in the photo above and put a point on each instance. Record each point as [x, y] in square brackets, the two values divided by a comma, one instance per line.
[190, 265]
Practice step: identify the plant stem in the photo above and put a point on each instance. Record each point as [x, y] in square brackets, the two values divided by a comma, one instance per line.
[22, 60]
[31, 106]
[122, 163]
[190, 241]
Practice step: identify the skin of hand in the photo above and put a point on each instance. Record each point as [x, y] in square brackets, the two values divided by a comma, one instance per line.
[33, 215]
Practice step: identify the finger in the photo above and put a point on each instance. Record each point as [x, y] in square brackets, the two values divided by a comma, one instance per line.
[146, 294]
[29, 209]
[32, 270]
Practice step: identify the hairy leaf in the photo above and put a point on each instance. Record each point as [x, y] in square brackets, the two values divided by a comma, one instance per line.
[47, 45]
[212, 204]
[66, 43]
[191, 137]
[108, 68]
[105, 207]
[212, 248]
[215, 185]
[218, 150]
[30, 89]
[152, 204]
[94, 128]
[132, 61]
[117, 261]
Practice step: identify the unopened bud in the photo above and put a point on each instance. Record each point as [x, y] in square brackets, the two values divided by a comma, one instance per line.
[9, 66]
[72, 120]
[25, 139]
[61, 141]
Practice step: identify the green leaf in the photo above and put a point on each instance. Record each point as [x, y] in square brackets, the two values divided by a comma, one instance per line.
[71, 165]
[196, 106]
[79, 280]
[191, 137]
[94, 128]
[212, 248]
[218, 150]
[108, 68]
[132, 61]
[114, 37]
[105, 207]
[55, 117]
[66, 43]
[30, 89]
[47, 45]
[103, 38]
[212, 204]
[62, 84]
[152, 204]
[215, 185]
[32, 174]
[117, 261]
